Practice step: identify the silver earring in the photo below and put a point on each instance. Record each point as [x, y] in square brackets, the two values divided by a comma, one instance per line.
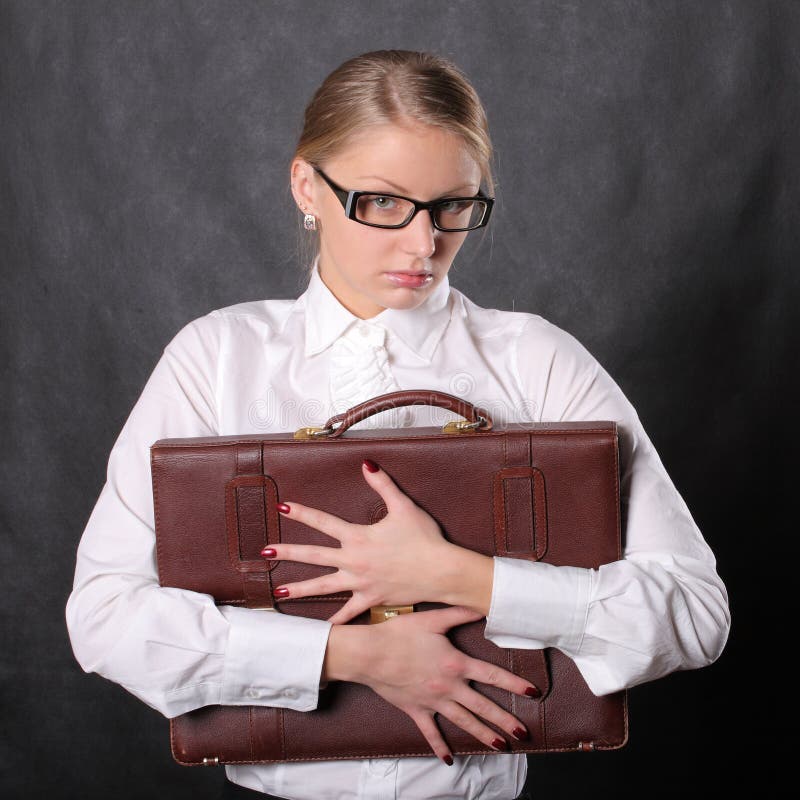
[310, 222]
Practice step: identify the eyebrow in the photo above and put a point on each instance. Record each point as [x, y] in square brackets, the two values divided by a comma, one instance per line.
[403, 190]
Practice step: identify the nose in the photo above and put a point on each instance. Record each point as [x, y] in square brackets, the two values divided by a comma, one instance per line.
[419, 236]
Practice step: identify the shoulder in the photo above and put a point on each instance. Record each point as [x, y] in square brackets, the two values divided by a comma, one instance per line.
[485, 323]
[263, 316]
[260, 318]
[527, 332]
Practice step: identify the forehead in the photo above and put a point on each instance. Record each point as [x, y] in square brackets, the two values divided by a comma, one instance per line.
[421, 160]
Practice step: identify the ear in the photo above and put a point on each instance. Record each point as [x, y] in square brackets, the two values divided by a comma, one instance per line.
[303, 186]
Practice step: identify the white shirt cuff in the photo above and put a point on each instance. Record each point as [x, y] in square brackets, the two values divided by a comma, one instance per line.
[536, 605]
[273, 659]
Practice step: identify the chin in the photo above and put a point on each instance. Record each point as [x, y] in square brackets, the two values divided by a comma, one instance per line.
[406, 299]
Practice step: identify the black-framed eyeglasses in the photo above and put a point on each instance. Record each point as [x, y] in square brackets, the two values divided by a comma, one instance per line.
[381, 210]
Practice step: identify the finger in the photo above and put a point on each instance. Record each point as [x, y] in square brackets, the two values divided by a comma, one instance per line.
[325, 584]
[441, 620]
[304, 554]
[350, 610]
[382, 483]
[468, 722]
[433, 736]
[315, 518]
[492, 675]
[483, 707]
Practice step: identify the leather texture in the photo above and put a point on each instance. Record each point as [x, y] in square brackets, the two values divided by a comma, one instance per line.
[543, 492]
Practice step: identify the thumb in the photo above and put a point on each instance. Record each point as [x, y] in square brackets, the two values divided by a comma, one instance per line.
[383, 484]
[441, 620]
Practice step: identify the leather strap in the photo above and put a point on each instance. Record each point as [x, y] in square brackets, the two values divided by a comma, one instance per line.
[252, 522]
[520, 503]
[520, 530]
[520, 513]
[266, 732]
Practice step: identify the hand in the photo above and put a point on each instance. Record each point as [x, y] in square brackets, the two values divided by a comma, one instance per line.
[400, 560]
[411, 663]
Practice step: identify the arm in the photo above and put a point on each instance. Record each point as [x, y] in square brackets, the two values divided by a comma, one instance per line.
[662, 607]
[175, 649]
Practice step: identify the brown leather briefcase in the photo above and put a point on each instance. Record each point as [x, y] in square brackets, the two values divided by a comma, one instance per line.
[541, 492]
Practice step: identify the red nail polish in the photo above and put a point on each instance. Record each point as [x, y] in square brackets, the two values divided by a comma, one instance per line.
[282, 592]
[371, 465]
[500, 744]
[448, 760]
[521, 734]
[269, 552]
[532, 691]
[283, 508]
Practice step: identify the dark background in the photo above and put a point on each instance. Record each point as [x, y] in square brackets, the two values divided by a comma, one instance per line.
[648, 162]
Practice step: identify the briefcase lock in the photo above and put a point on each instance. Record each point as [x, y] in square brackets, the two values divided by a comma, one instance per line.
[382, 613]
[462, 426]
[313, 433]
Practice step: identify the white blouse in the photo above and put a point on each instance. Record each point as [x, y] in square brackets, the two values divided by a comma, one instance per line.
[277, 365]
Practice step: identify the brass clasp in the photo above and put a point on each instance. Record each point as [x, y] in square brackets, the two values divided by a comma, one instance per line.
[312, 433]
[462, 426]
[382, 613]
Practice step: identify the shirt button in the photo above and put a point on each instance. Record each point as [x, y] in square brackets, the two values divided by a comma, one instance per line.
[291, 694]
[254, 693]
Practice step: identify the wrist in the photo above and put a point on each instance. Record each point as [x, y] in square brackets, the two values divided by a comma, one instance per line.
[347, 654]
[467, 579]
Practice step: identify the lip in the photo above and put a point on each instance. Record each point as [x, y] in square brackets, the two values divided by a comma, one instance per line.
[412, 280]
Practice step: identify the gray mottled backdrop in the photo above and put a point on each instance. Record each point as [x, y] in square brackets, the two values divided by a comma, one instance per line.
[647, 172]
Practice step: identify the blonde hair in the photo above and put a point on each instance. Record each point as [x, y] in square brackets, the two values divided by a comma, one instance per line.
[394, 86]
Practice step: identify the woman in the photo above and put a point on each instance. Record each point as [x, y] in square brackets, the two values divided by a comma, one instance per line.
[379, 315]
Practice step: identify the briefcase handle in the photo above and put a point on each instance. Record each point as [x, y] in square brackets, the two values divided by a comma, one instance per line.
[476, 418]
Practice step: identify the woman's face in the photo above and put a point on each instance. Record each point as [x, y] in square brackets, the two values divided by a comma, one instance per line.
[370, 269]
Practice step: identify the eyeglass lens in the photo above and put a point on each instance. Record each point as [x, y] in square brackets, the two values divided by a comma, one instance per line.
[377, 209]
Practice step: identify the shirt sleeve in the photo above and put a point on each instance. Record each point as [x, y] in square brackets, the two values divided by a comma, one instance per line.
[175, 649]
[662, 607]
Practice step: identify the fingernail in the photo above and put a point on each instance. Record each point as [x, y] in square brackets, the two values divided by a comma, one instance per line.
[371, 465]
[500, 744]
[532, 691]
[283, 508]
[282, 592]
[521, 734]
[448, 760]
[269, 552]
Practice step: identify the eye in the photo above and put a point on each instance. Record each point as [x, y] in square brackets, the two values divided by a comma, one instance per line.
[383, 203]
[454, 206]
